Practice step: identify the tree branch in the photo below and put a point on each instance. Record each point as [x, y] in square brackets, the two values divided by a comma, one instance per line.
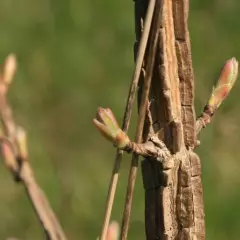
[15, 157]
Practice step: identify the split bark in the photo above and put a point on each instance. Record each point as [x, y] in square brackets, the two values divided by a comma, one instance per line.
[173, 192]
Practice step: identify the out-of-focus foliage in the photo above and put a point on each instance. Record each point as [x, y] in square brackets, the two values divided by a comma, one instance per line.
[77, 55]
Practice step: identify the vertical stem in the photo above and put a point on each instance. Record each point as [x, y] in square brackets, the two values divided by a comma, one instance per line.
[127, 116]
[141, 118]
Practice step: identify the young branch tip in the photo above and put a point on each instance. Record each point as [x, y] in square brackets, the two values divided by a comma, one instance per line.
[219, 93]
[108, 126]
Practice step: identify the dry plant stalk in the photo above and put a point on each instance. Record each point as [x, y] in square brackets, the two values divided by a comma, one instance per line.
[167, 128]
[15, 157]
[126, 118]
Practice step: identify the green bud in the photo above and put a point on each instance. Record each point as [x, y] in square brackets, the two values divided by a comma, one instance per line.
[107, 125]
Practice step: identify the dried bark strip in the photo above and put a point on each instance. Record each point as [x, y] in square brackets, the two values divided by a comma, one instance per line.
[173, 195]
[190, 193]
[185, 70]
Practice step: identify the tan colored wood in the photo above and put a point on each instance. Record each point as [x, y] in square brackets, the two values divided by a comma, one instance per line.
[173, 191]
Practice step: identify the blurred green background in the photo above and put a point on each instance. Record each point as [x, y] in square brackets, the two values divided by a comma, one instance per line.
[77, 55]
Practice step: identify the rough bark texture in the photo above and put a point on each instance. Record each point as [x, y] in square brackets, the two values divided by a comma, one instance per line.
[173, 193]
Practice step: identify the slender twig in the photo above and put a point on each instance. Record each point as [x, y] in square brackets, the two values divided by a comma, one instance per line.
[221, 90]
[14, 151]
[141, 118]
[127, 116]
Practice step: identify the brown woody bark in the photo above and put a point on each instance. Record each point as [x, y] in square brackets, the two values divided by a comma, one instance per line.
[173, 195]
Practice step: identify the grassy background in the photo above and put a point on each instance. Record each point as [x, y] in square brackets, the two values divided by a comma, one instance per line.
[77, 55]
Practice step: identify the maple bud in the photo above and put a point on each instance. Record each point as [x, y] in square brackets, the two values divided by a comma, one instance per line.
[224, 84]
[10, 67]
[107, 125]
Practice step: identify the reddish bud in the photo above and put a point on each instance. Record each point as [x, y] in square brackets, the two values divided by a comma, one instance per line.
[224, 84]
[113, 231]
